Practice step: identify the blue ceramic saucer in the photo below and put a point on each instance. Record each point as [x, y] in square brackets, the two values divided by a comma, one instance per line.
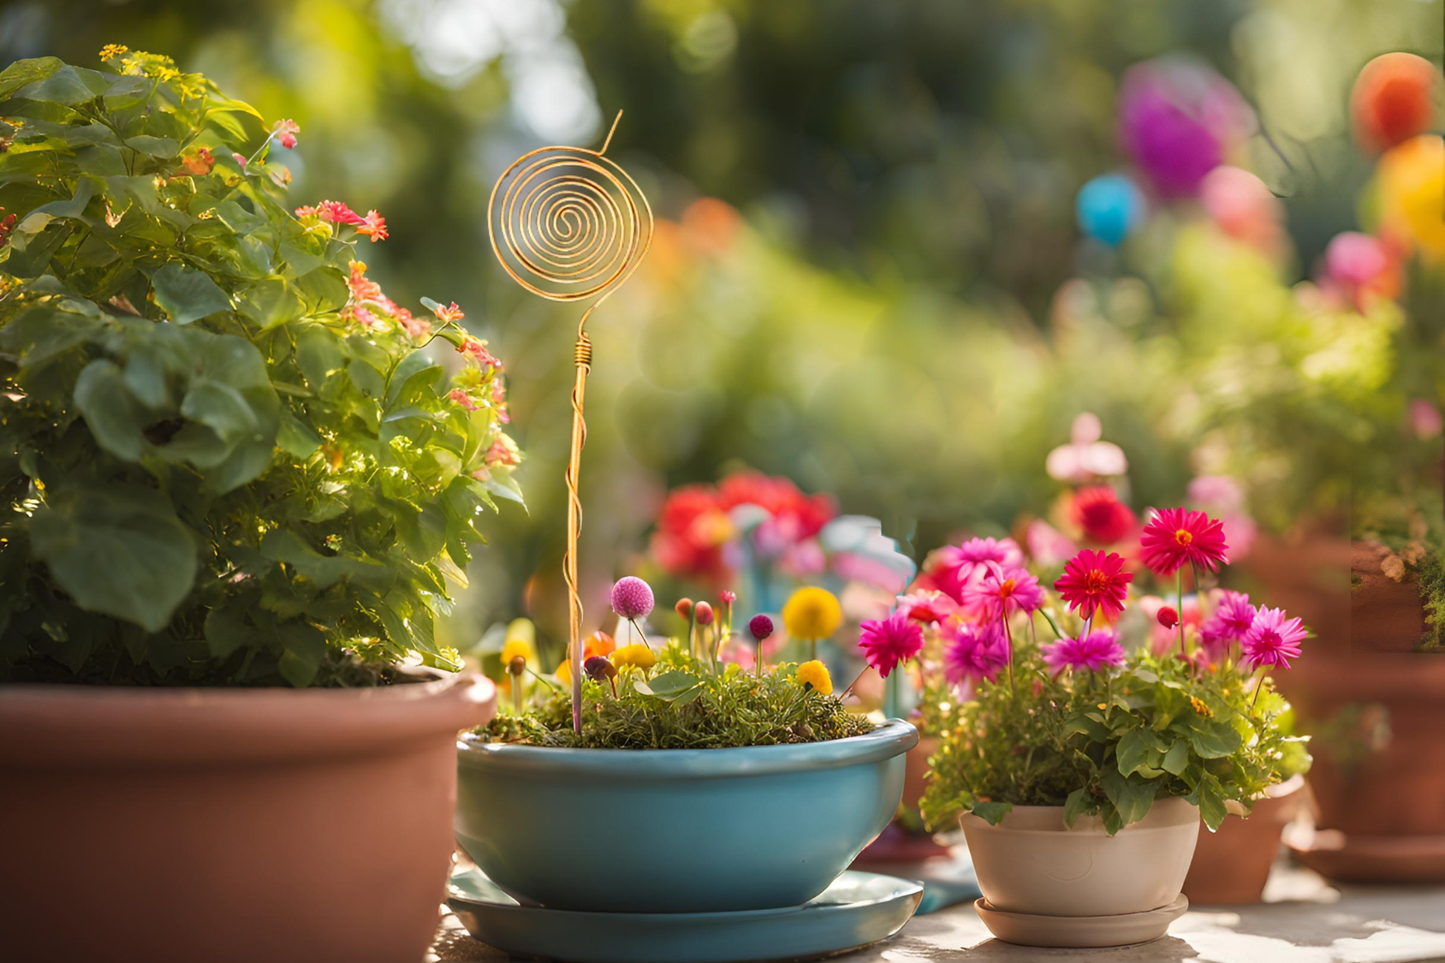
[858, 909]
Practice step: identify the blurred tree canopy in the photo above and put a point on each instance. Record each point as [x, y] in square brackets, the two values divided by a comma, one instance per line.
[878, 321]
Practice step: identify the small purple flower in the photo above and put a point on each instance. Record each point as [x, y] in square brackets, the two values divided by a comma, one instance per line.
[760, 626]
[1177, 119]
[1231, 619]
[632, 597]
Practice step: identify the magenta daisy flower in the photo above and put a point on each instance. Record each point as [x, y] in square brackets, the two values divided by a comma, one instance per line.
[1231, 619]
[1093, 652]
[974, 652]
[952, 568]
[887, 642]
[1004, 591]
[1176, 537]
[1095, 581]
[1272, 639]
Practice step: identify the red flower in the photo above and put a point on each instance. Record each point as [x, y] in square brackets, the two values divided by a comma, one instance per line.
[1167, 617]
[6, 226]
[1103, 518]
[1176, 536]
[795, 516]
[887, 642]
[460, 397]
[1095, 581]
[691, 532]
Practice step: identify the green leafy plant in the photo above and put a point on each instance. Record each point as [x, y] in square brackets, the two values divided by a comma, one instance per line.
[225, 454]
[1110, 744]
[682, 702]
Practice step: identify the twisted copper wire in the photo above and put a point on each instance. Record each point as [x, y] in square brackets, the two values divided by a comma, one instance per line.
[572, 225]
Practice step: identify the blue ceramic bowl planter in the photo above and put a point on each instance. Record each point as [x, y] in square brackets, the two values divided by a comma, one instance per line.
[676, 830]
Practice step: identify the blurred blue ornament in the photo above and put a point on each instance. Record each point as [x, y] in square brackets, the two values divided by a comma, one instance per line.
[1109, 207]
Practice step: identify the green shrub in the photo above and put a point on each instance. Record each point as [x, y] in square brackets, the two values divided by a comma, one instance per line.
[224, 455]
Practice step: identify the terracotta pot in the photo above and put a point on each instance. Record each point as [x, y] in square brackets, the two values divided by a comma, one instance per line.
[1395, 786]
[1231, 865]
[1031, 863]
[1385, 615]
[1308, 575]
[228, 824]
[915, 770]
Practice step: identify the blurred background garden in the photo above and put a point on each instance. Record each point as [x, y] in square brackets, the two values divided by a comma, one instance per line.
[874, 271]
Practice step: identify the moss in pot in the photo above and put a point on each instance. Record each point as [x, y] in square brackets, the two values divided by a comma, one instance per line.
[679, 750]
[237, 485]
[1080, 770]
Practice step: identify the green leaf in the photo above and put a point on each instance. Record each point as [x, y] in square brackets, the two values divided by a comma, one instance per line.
[296, 437]
[226, 629]
[109, 411]
[319, 352]
[39, 218]
[304, 648]
[68, 86]
[284, 545]
[187, 294]
[1137, 749]
[162, 147]
[1131, 799]
[1213, 741]
[117, 550]
[992, 812]
[1176, 758]
[1080, 801]
[670, 685]
[29, 71]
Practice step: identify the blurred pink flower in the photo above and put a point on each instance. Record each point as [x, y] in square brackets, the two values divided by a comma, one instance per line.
[1047, 545]
[1005, 591]
[1177, 119]
[286, 131]
[974, 652]
[1425, 419]
[1097, 650]
[1227, 624]
[1085, 457]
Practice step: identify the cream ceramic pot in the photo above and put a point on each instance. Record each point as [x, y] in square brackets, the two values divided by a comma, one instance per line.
[1031, 863]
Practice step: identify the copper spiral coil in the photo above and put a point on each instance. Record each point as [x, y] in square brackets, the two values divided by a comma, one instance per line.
[570, 225]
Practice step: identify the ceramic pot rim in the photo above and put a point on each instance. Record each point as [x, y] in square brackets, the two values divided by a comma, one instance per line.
[1165, 815]
[63, 726]
[892, 738]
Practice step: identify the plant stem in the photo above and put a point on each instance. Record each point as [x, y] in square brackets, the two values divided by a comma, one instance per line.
[516, 693]
[1052, 624]
[638, 629]
[1179, 598]
[1258, 685]
[812, 649]
[844, 694]
[1009, 635]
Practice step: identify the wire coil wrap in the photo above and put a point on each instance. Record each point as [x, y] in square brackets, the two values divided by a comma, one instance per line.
[570, 225]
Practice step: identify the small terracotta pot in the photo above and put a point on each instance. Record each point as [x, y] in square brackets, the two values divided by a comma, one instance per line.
[1032, 863]
[228, 824]
[1385, 615]
[915, 770]
[1231, 865]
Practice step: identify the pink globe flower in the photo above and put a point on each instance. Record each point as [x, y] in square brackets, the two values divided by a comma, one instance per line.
[974, 652]
[1004, 592]
[1095, 651]
[703, 613]
[1095, 581]
[887, 642]
[632, 597]
[1272, 639]
[1176, 537]
[760, 627]
[1177, 119]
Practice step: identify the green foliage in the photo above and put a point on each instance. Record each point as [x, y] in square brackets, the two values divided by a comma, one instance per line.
[1108, 745]
[225, 455]
[682, 704]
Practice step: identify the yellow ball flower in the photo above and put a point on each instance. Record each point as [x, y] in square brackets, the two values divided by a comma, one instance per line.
[815, 674]
[812, 613]
[518, 648]
[1411, 185]
[636, 654]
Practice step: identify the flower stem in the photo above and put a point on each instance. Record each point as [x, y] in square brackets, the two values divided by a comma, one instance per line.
[1180, 599]
[1009, 635]
[844, 694]
[1258, 685]
[812, 649]
[516, 693]
[1052, 624]
[638, 629]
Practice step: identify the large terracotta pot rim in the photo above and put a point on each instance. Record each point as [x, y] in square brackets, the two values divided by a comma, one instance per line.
[890, 739]
[118, 726]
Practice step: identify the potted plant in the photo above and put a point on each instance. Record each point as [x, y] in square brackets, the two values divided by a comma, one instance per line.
[236, 487]
[1080, 771]
[664, 799]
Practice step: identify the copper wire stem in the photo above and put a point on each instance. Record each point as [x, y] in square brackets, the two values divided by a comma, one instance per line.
[574, 518]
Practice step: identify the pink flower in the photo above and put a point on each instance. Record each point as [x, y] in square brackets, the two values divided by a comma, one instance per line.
[1175, 537]
[728, 596]
[974, 652]
[703, 613]
[632, 597]
[1047, 545]
[460, 397]
[887, 642]
[476, 350]
[1095, 651]
[1228, 624]
[760, 627]
[1095, 581]
[286, 131]
[1086, 457]
[927, 606]
[952, 568]
[449, 313]
[1003, 592]
[373, 225]
[241, 159]
[1272, 640]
